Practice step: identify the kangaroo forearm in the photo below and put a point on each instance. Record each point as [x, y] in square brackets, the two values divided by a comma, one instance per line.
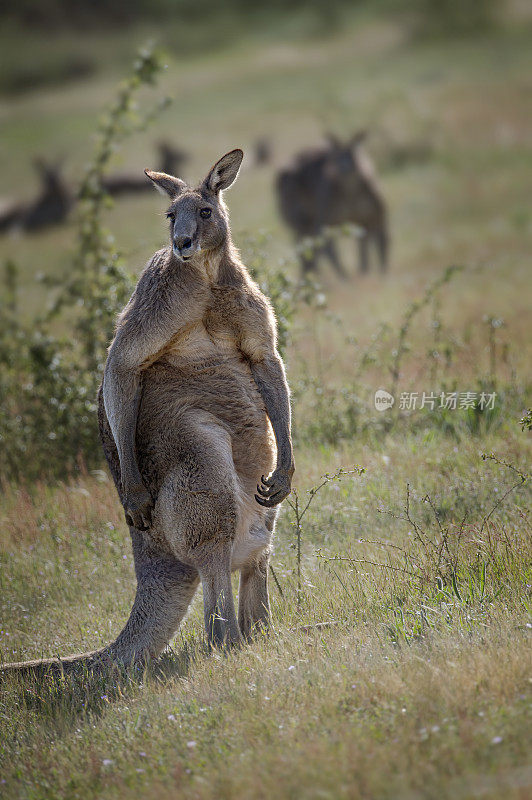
[130, 470]
[271, 382]
[122, 394]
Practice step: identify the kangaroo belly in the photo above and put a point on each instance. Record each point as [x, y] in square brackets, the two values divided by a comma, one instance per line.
[221, 387]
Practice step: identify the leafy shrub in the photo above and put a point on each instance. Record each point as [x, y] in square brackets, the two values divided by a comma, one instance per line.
[49, 382]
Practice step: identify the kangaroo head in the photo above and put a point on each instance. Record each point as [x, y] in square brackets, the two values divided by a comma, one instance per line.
[345, 167]
[50, 175]
[198, 217]
[342, 156]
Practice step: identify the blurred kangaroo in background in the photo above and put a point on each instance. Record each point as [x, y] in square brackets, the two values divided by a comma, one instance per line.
[332, 185]
[194, 411]
[262, 151]
[51, 206]
[171, 159]
[55, 200]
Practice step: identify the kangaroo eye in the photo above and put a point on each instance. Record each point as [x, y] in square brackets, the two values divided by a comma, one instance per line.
[205, 213]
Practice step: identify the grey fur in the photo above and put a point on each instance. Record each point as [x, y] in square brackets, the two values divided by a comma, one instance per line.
[192, 382]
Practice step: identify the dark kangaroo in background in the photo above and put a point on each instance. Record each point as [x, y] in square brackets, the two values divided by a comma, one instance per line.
[194, 411]
[171, 160]
[51, 206]
[332, 185]
[56, 199]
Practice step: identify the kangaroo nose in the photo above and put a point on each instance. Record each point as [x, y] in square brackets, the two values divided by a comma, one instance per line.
[183, 242]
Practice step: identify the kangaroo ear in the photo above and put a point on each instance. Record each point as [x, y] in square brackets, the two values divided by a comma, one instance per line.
[224, 171]
[357, 138]
[166, 184]
[333, 139]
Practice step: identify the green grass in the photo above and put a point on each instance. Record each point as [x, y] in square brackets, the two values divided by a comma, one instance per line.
[420, 685]
[409, 691]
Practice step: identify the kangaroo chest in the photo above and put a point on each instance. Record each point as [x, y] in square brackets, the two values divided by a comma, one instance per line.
[213, 331]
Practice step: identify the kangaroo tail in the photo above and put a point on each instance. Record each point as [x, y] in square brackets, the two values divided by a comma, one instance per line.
[165, 587]
[96, 661]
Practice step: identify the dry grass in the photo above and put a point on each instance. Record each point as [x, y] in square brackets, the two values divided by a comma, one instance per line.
[411, 692]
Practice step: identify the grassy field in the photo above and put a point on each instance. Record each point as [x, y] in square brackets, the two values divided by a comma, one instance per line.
[419, 685]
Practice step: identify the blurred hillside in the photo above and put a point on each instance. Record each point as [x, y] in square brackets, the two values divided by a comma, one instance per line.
[448, 120]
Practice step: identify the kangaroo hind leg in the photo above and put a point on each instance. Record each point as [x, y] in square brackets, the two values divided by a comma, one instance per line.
[220, 617]
[197, 510]
[253, 599]
[331, 252]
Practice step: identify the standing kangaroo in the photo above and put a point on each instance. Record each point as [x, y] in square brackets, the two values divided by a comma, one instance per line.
[192, 388]
[328, 186]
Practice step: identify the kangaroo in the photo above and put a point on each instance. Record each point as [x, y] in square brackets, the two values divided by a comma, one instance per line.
[55, 201]
[194, 412]
[51, 206]
[171, 159]
[331, 185]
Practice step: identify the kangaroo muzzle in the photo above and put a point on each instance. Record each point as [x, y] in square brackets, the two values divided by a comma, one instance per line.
[184, 246]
